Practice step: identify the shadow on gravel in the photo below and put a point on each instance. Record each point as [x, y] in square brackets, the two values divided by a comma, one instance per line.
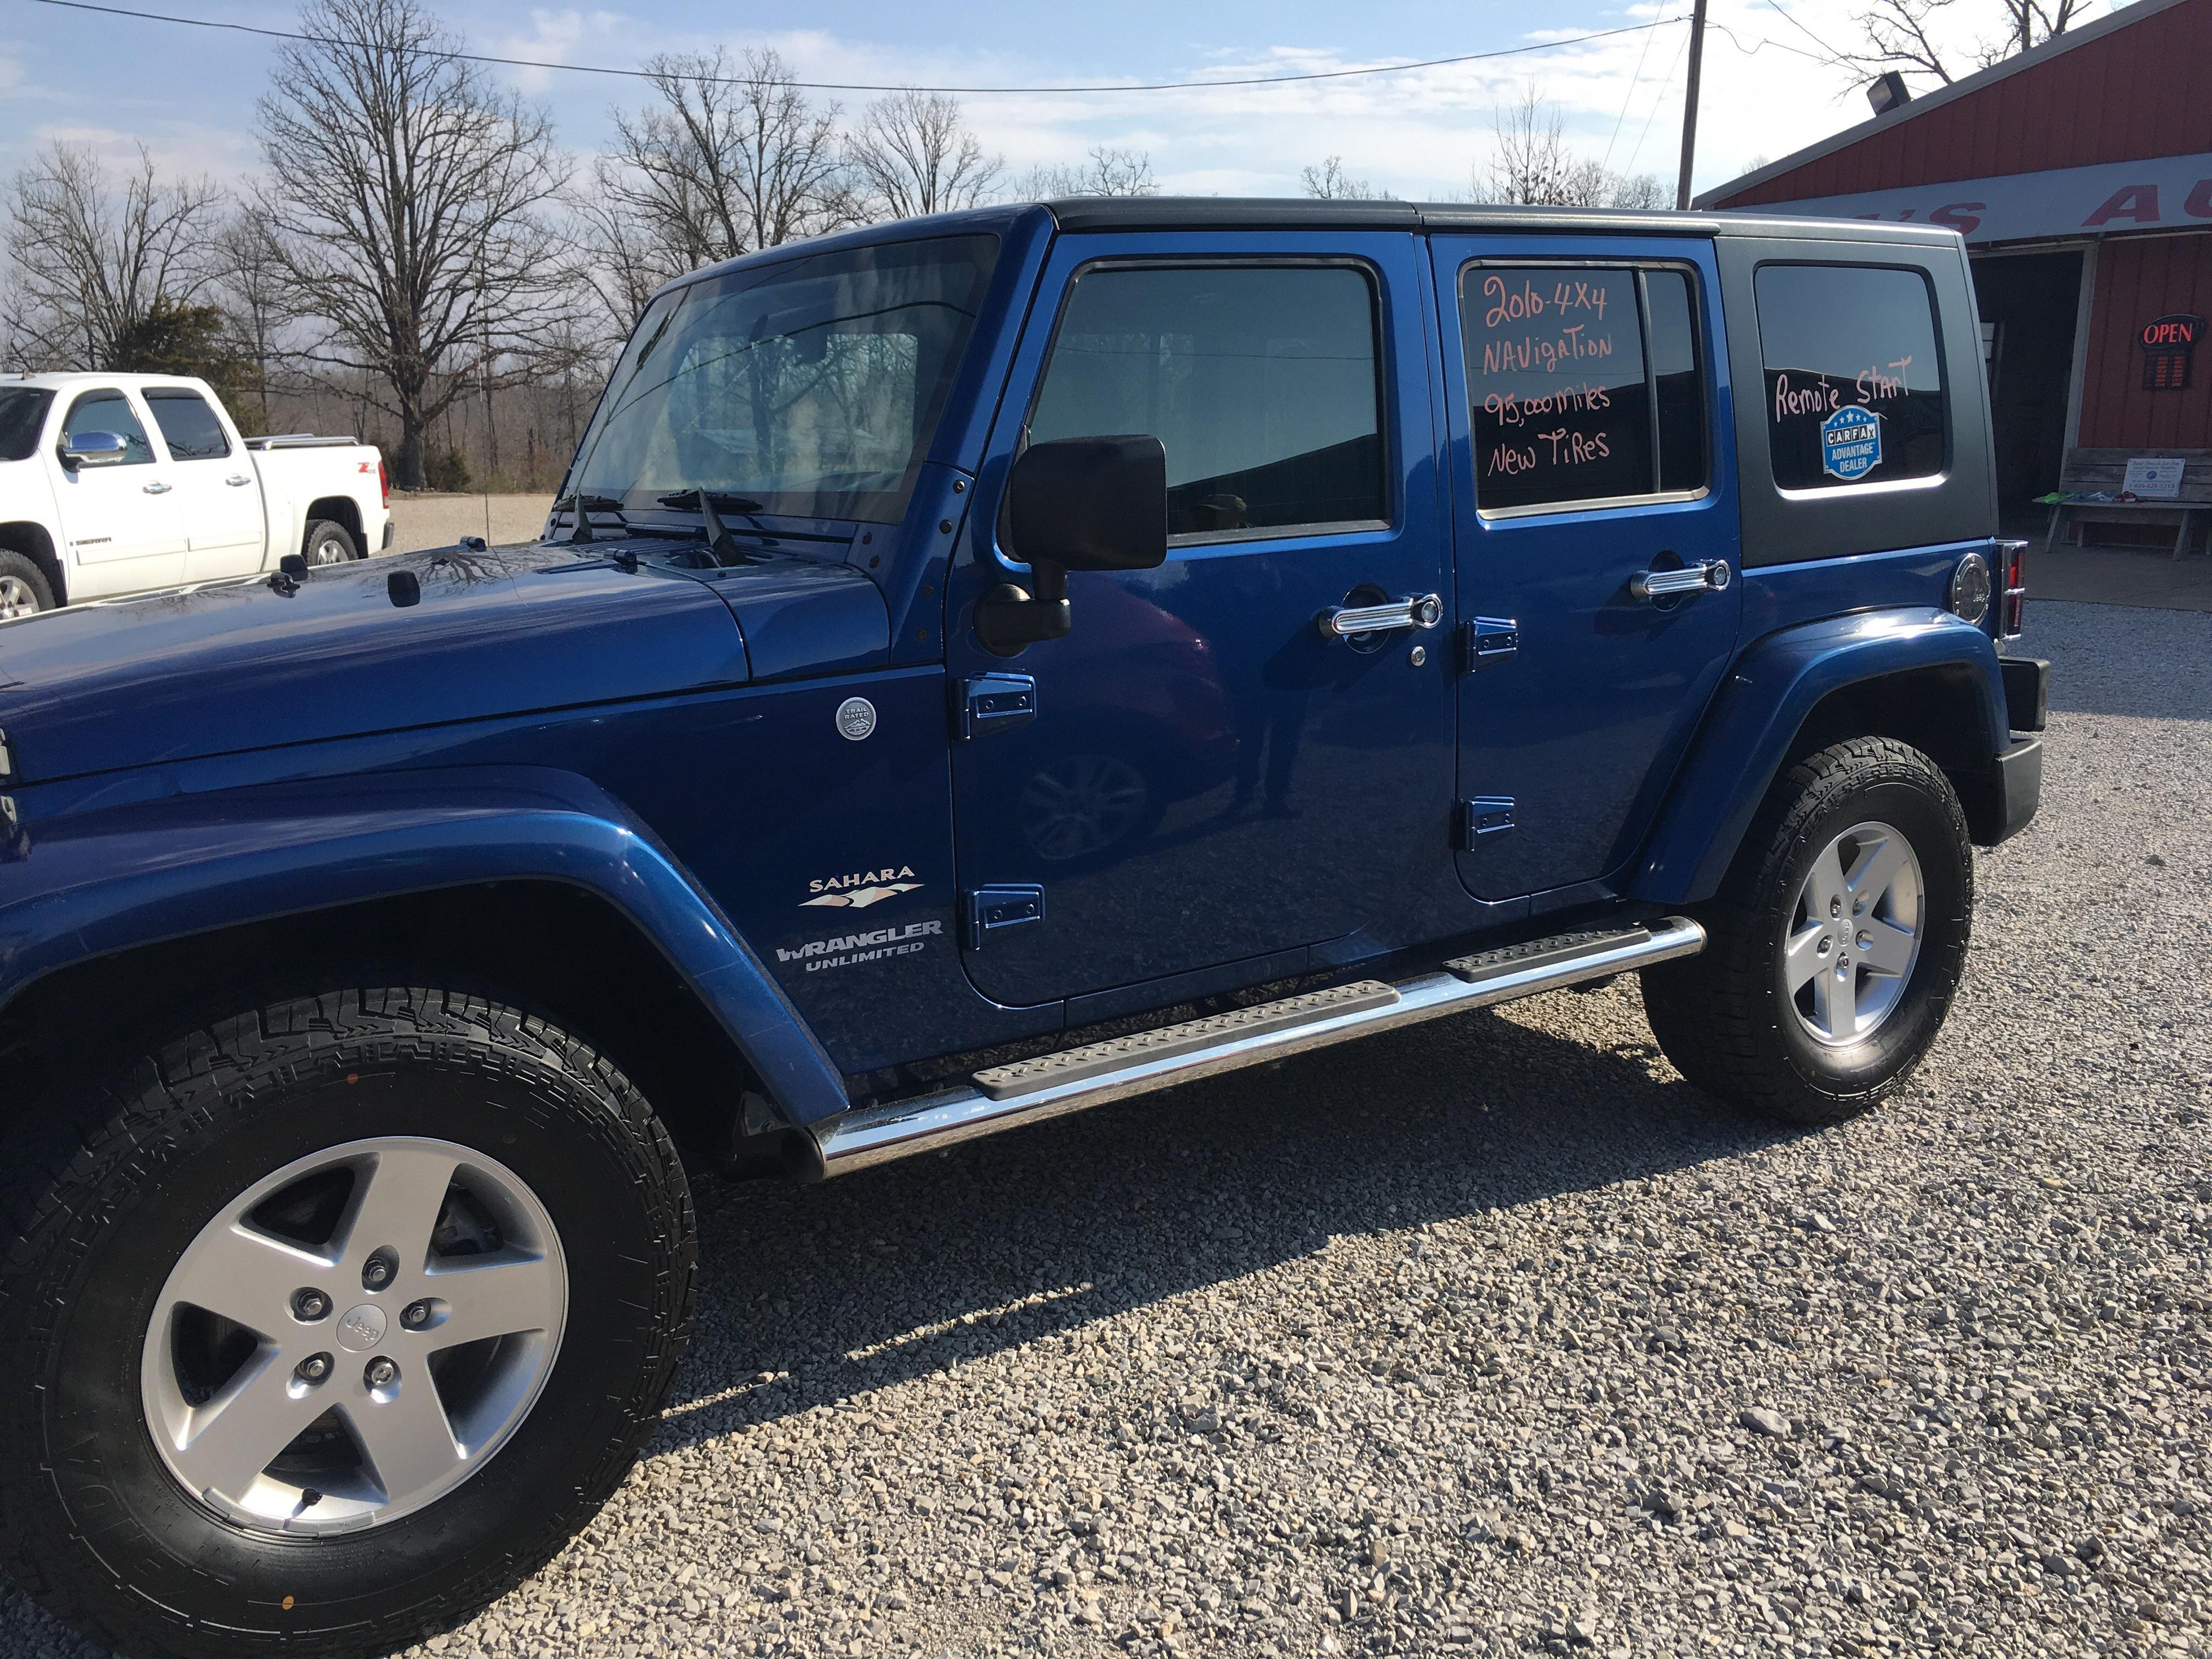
[810, 1296]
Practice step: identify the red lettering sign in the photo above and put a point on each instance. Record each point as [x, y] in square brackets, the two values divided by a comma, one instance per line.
[1965, 217]
[2168, 343]
[2135, 202]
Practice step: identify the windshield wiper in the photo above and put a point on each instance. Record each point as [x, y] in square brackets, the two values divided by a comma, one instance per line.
[720, 542]
[581, 504]
[723, 499]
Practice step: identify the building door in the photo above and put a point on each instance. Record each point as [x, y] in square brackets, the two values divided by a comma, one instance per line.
[1596, 535]
[1208, 776]
[2029, 303]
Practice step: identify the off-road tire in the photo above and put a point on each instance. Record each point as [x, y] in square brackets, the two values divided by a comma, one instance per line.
[1724, 1018]
[19, 575]
[101, 1185]
[328, 541]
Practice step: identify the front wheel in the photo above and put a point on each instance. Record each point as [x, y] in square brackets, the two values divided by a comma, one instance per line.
[349, 1312]
[1836, 943]
[24, 590]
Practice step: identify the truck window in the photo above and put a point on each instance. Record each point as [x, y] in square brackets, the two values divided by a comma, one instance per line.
[189, 426]
[809, 386]
[22, 412]
[1584, 384]
[1261, 381]
[111, 411]
[1854, 383]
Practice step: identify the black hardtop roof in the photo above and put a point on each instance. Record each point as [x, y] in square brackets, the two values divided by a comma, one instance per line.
[1076, 215]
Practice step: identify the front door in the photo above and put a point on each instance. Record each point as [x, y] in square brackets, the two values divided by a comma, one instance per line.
[1597, 545]
[124, 534]
[1203, 774]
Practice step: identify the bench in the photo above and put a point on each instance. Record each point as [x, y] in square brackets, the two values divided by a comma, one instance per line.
[2106, 470]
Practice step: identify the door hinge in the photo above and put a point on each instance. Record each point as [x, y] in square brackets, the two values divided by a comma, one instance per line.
[992, 910]
[984, 703]
[7, 760]
[1487, 641]
[1484, 817]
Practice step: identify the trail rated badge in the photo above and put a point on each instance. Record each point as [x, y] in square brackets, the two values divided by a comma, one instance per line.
[1851, 443]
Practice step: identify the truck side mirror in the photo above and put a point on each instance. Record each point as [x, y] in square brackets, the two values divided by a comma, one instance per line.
[93, 449]
[1074, 504]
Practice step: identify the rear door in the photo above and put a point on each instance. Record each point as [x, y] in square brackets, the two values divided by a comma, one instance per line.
[1589, 476]
[1202, 776]
[216, 494]
[123, 531]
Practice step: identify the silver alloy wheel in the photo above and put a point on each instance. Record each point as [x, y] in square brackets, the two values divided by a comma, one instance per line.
[16, 598]
[1854, 935]
[355, 1335]
[329, 550]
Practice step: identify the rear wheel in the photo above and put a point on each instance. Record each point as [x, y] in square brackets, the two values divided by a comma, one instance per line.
[329, 543]
[350, 1311]
[24, 589]
[1836, 942]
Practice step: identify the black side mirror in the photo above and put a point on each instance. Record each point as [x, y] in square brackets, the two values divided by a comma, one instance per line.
[1074, 504]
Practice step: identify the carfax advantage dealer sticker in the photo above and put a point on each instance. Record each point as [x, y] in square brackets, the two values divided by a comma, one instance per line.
[1851, 443]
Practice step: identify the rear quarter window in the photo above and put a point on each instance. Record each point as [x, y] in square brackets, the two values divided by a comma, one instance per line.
[1855, 392]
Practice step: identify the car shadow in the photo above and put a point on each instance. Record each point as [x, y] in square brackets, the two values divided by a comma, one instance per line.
[811, 1296]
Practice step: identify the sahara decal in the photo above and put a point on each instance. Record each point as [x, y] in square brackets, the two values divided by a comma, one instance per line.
[857, 892]
[822, 954]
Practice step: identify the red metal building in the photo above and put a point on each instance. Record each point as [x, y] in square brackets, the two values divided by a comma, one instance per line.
[2080, 175]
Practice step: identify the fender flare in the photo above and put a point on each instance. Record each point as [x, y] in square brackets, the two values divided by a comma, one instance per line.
[1761, 706]
[111, 880]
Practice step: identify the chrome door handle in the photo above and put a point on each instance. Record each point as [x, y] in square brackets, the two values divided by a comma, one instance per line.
[238, 478]
[156, 489]
[1709, 577]
[1425, 612]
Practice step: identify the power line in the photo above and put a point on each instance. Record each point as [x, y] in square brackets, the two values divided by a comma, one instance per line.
[1634, 80]
[862, 86]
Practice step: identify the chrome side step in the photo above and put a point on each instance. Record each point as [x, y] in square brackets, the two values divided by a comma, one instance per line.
[1051, 1085]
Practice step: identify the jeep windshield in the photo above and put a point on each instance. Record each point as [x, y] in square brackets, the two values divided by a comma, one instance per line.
[809, 388]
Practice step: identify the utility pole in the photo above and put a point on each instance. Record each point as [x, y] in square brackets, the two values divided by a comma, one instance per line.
[1690, 105]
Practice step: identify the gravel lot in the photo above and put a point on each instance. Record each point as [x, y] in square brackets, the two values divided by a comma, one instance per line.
[1492, 1336]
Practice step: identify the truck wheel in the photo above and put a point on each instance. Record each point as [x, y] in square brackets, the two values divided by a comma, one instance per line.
[324, 1326]
[24, 590]
[1836, 943]
[328, 543]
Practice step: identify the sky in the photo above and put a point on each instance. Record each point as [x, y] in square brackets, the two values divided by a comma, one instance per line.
[188, 93]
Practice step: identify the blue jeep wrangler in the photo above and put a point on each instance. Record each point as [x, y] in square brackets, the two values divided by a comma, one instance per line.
[978, 667]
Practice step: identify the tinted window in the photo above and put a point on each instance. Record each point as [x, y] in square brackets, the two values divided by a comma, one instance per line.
[22, 412]
[110, 411]
[1555, 384]
[1678, 388]
[188, 426]
[811, 386]
[1260, 380]
[1854, 385]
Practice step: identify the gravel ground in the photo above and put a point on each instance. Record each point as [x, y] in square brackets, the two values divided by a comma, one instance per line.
[1494, 1336]
[427, 521]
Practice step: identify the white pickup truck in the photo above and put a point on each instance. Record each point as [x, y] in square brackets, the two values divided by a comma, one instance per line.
[116, 484]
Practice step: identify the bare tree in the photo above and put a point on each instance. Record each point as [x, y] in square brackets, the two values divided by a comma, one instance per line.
[1105, 171]
[91, 265]
[1531, 165]
[732, 159]
[257, 300]
[1534, 166]
[910, 155]
[404, 198]
[1329, 182]
[1902, 34]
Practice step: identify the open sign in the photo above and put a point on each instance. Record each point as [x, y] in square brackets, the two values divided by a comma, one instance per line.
[2168, 342]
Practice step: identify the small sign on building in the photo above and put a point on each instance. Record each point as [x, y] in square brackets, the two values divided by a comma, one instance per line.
[2153, 477]
[2168, 342]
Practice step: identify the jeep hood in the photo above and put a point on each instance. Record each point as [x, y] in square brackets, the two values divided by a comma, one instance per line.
[424, 639]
